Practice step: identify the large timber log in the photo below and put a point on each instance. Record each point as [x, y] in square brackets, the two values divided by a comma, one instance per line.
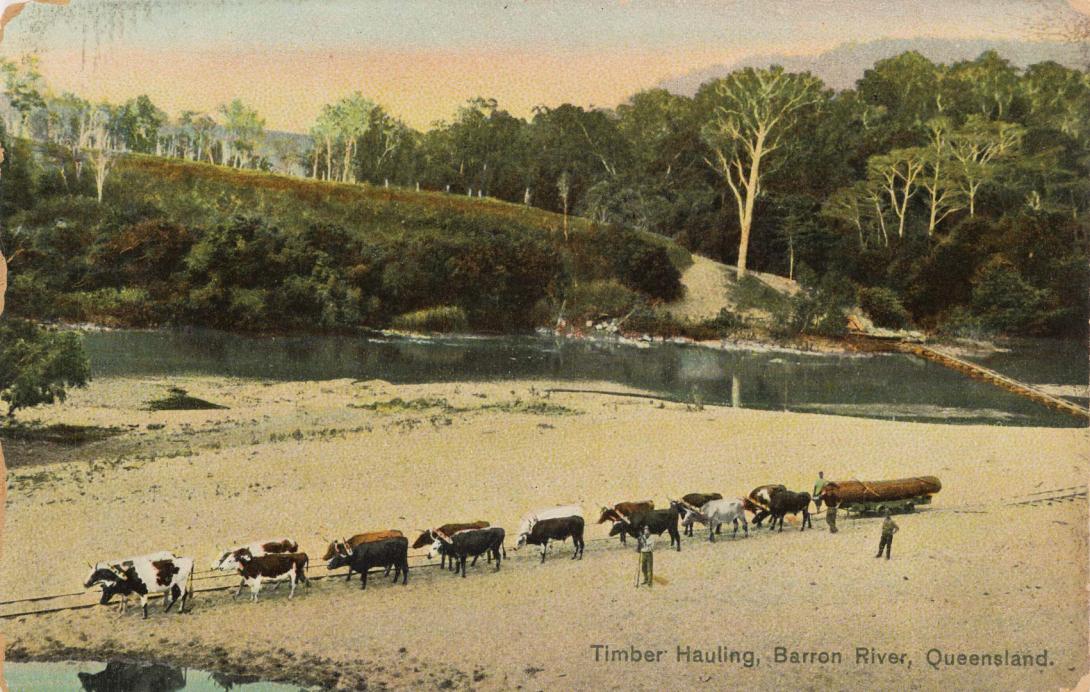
[853, 491]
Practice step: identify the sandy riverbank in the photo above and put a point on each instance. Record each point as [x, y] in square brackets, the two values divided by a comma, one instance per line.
[311, 460]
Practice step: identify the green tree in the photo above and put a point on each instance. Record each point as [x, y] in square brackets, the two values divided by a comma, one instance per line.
[978, 147]
[38, 366]
[897, 176]
[243, 131]
[752, 114]
[939, 178]
[25, 88]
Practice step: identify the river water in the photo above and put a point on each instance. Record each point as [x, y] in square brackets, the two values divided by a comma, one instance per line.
[887, 386]
[65, 676]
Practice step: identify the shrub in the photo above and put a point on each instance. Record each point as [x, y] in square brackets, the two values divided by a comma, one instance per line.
[884, 307]
[1004, 301]
[960, 323]
[444, 318]
[593, 298]
[751, 293]
[110, 306]
[37, 366]
[817, 309]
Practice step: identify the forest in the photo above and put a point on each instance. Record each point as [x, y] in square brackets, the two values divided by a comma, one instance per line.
[949, 197]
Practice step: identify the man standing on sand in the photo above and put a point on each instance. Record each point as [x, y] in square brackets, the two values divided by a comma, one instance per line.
[888, 529]
[831, 503]
[645, 546]
[818, 485]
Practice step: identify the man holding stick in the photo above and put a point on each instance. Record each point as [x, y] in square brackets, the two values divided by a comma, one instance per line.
[645, 546]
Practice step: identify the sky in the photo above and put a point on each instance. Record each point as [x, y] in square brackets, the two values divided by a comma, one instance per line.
[422, 58]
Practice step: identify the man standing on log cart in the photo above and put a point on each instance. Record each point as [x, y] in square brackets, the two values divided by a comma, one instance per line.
[818, 485]
[889, 527]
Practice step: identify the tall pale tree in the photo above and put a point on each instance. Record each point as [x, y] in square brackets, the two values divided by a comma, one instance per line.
[752, 116]
[897, 175]
[977, 147]
[939, 178]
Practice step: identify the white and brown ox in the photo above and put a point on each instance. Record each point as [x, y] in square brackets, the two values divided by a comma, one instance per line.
[160, 572]
[276, 568]
[228, 559]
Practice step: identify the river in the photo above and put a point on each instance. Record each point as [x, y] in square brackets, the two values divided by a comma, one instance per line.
[888, 386]
[118, 676]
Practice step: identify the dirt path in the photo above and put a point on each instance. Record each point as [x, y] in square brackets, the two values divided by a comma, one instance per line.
[312, 460]
[707, 289]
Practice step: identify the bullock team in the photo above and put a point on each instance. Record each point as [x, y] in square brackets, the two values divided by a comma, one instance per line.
[280, 560]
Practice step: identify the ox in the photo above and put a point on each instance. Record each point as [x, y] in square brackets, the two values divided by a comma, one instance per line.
[691, 502]
[541, 527]
[388, 552]
[359, 539]
[657, 520]
[622, 510]
[759, 501]
[278, 567]
[429, 536]
[471, 542]
[788, 502]
[561, 512]
[228, 559]
[714, 514]
[155, 573]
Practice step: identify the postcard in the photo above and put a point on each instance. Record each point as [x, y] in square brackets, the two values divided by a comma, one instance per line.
[544, 345]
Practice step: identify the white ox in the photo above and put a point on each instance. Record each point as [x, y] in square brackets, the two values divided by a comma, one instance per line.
[528, 521]
[121, 565]
[716, 513]
[160, 572]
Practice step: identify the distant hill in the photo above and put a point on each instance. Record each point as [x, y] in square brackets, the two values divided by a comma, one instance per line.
[840, 67]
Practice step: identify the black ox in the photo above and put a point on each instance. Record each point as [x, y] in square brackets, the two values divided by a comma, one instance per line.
[387, 553]
[657, 520]
[558, 529]
[470, 543]
[789, 502]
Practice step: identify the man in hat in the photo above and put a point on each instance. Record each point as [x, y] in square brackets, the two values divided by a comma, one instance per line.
[889, 527]
[645, 546]
[831, 504]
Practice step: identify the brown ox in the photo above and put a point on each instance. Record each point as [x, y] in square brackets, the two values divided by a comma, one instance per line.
[359, 539]
[622, 510]
[759, 501]
[429, 536]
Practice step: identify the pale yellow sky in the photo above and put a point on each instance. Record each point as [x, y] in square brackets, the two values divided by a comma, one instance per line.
[422, 59]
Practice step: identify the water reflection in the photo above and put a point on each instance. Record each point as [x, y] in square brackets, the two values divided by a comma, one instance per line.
[877, 386]
[127, 676]
[133, 677]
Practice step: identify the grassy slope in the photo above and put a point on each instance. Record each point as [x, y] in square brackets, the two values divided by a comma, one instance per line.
[711, 286]
[205, 194]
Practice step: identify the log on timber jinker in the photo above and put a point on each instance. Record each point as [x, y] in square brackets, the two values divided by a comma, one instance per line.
[901, 493]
